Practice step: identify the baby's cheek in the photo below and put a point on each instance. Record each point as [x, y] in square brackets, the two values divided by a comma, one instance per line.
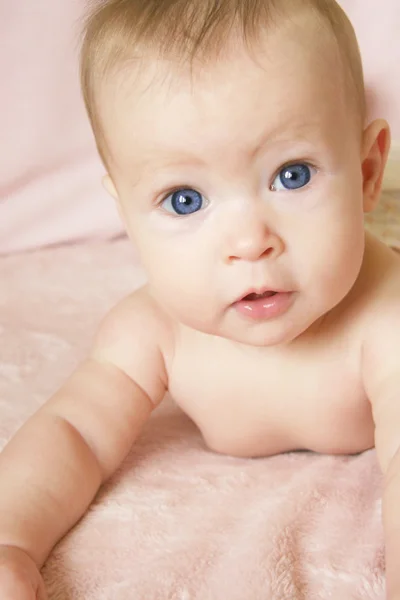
[340, 272]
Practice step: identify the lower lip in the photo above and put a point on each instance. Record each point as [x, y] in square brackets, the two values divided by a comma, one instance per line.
[265, 308]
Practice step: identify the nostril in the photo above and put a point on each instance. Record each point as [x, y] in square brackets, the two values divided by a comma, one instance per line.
[253, 256]
[250, 246]
[267, 252]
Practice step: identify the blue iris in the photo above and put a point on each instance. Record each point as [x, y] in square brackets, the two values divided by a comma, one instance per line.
[294, 177]
[184, 202]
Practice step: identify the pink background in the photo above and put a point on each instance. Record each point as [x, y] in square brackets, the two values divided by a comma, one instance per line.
[50, 189]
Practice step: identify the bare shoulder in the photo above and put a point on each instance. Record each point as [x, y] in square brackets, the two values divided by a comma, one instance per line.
[136, 336]
[137, 314]
[382, 325]
[382, 284]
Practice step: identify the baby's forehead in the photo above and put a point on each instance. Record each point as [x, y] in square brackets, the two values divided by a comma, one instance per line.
[276, 54]
[161, 83]
[286, 84]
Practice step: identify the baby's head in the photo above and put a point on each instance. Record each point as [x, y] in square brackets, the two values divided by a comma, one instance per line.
[234, 139]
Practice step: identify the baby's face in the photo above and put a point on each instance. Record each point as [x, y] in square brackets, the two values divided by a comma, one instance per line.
[245, 180]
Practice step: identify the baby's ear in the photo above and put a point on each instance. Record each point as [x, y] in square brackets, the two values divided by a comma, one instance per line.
[375, 150]
[110, 187]
[112, 190]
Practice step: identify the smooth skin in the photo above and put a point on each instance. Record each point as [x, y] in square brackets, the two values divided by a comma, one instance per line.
[323, 375]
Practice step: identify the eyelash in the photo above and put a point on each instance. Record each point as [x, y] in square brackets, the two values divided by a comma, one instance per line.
[295, 162]
[172, 191]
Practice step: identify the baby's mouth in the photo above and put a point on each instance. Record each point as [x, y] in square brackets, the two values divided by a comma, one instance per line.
[253, 297]
[261, 306]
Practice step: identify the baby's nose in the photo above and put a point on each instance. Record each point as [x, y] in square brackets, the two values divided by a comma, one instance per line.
[251, 239]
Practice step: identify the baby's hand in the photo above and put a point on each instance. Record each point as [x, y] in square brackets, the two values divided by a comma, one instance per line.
[20, 578]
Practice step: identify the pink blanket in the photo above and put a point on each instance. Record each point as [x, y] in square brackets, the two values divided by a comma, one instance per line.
[178, 522]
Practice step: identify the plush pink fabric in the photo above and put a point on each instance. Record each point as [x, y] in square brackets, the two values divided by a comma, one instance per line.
[50, 174]
[177, 521]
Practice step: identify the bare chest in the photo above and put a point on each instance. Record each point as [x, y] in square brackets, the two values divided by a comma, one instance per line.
[249, 405]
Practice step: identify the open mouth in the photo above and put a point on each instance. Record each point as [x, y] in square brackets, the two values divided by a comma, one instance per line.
[253, 297]
[265, 305]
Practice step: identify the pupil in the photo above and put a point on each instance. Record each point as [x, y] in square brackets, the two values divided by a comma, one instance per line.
[295, 177]
[186, 202]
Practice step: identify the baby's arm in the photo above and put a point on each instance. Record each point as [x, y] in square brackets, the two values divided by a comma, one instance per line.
[51, 470]
[382, 381]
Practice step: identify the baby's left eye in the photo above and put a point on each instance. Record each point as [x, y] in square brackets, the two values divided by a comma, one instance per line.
[184, 201]
[292, 177]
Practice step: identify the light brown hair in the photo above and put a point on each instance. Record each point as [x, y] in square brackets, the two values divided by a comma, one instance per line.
[117, 30]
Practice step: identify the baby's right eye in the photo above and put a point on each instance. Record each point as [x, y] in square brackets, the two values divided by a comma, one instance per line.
[184, 202]
[293, 177]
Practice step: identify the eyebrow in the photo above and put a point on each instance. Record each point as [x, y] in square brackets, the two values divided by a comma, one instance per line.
[303, 129]
[180, 162]
[268, 138]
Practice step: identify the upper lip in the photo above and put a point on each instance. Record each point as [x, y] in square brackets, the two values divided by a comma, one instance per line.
[261, 291]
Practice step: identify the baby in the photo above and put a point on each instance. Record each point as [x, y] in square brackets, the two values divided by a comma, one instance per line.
[234, 138]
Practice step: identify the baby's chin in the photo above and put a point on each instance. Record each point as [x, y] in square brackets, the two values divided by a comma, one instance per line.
[302, 318]
[275, 332]
[265, 337]
[301, 323]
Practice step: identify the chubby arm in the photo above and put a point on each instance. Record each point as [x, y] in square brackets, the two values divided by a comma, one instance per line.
[381, 368]
[53, 467]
